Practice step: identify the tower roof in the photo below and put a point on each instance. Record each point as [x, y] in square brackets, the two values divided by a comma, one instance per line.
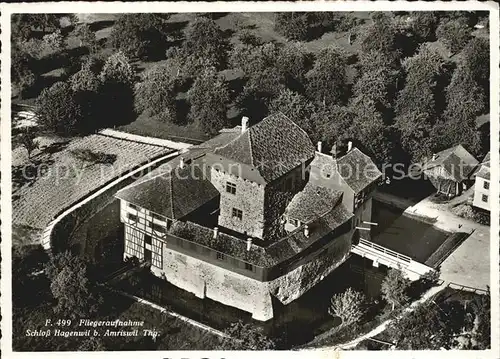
[274, 146]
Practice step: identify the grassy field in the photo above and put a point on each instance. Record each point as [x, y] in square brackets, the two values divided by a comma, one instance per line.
[54, 178]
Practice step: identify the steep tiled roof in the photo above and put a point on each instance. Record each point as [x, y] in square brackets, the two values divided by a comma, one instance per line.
[355, 168]
[319, 228]
[312, 202]
[173, 194]
[484, 169]
[193, 153]
[457, 161]
[274, 146]
[358, 170]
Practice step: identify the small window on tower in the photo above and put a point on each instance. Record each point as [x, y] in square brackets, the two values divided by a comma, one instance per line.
[231, 187]
[237, 213]
[486, 185]
[147, 239]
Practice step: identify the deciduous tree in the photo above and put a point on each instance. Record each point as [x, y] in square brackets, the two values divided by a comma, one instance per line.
[28, 140]
[292, 25]
[294, 61]
[58, 110]
[465, 101]
[381, 36]
[394, 288]
[416, 105]
[76, 295]
[247, 337]
[378, 85]
[475, 57]
[54, 42]
[22, 75]
[259, 92]
[205, 39]
[209, 97]
[87, 37]
[155, 92]
[334, 124]
[117, 69]
[422, 328]
[424, 25]
[481, 333]
[369, 129]
[85, 80]
[348, 306]
[454, 33]
[139, 35]
[327, 79]
[116, 100]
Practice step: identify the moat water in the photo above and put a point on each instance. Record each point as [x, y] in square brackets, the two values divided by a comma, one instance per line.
[301, 320]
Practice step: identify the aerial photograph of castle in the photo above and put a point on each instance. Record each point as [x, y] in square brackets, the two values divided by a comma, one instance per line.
[251, 181]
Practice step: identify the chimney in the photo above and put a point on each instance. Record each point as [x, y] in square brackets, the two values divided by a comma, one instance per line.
[244, 124]
[249, 243]
[320, 146]
[434, 156]
[306, 231]
[216, 232]
[182, 163]
[349, 146]
[334, 151]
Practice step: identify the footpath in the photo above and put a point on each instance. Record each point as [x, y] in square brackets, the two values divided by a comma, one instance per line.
[383, 326]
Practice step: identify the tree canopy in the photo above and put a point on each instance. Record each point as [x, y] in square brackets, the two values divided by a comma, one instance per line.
[156, 92]
[205, 40]
[416, 105]
[326, 82]
[139, 35]
[348, 306]
[209, 98]
[244, 336]
[394, 288]
[455, 33]
[58, 110]
[75, 294]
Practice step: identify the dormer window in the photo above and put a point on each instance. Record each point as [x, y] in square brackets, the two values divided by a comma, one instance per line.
[231, 187]
[293, 222]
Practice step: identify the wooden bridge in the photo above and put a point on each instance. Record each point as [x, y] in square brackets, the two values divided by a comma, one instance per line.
[381, 255]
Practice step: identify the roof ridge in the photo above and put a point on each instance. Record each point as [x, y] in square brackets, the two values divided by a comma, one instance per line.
[250, 145]
[293, 122]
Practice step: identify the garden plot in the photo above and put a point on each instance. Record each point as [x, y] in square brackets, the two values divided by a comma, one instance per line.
[63, 173]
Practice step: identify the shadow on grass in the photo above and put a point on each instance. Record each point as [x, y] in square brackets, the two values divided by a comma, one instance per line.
[55, 147]
[99, 25]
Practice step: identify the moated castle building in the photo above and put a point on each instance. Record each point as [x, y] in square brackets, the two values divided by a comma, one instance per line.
[254, 213]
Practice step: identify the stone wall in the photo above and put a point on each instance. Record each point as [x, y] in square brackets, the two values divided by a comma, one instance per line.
[232, 289]
[249, 198]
